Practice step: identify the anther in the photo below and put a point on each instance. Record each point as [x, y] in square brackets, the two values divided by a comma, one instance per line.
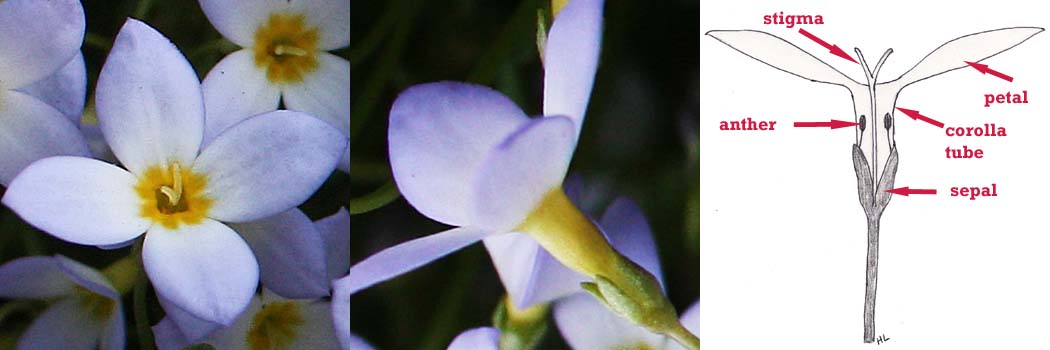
[887, 121]
[174, 194]
[863, 122]
[281, 50]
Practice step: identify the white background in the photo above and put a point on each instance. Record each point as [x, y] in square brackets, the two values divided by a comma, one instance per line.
[783, 242]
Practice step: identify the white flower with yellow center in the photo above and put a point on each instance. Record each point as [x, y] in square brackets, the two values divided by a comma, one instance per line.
[85, 309]
[37, 40]
[151, 113]
[283, 58]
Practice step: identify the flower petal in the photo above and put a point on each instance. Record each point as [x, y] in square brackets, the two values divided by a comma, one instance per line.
[439, 134]
[205, 269]
[235, 90]
[113, 334]
[529, 273]
[691, 318]
[586, 324]
[65, 89]
[33, 277]
[79, 200]
[234, 337]
[341, 313]
[335, 229]
[37, 38]
[331, 18]
[237, 20]
[291, 254]
[316, 331]
[570, 59]
[521, 171]
[149, 101]
[87, 277]
[33, 130]
[63, 326]
[627, 230]
[481, 338]
[407, 256]
[268, 164]
[325, 93]
[180, 328]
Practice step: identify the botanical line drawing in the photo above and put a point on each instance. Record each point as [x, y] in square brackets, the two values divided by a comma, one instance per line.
[875, 150]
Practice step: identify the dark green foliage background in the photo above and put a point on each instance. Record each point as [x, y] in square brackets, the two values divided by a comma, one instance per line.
[639, 140]
[183, 22]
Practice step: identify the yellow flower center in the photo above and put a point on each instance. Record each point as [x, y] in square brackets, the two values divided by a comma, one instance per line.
[274, 327]
[286, 48]
[172, 195]
[96, 305]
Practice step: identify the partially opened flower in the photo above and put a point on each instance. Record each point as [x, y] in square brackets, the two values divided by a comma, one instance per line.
[85, 309]
[273, 321]
[467, 156]
[37, 39]
[283, 58]
[151, 113]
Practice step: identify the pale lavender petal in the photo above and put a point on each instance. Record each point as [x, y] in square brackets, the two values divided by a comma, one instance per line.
[331, 18]
[37, 38]
[404, 257]
[529, 273]
[235, 90]
[521, 171]
[34, 277]
[625, 226]
[571, 59]
[63, 326]
[87, 277]
[114, 335]
[439, 134]
[586, 324]
[335, 229]
[181, 327]
[237, 20]
[33, 130]
[481, 338]
[65, 90]
[291, 254]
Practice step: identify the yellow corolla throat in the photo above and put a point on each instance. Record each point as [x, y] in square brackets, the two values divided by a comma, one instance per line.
[172, 195]
[286, 47]
[97, 306]
[275, 327]
[557, 225]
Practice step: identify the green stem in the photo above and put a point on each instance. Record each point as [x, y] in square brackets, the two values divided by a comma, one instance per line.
[97, 41]
[382, 196]
[142, 329]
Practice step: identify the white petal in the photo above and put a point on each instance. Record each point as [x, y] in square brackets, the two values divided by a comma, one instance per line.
[521, 171]
[113, 334]
[148, 100]
[181, 327]
[625, 226]
[439, 134]
[37, 38]
[324, 93]
[63, 326]
[691, 318]
[290, 252]
[331, 18]
[205, 269]
[65, 89]
[168, 336]
[528, 272]
[341, 314]
[481, 338]
[97, 142]
[80, 200]
[237, 20]
[234, 90]
[32, 130]
[87, 277]
[335, 229]
[316, 331]
[586, 324]
[33, 277]
[356, 343]
[571, 59]
[404, 257]
[268, 164]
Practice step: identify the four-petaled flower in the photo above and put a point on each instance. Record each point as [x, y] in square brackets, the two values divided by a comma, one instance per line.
[283, 58]
[151, 112]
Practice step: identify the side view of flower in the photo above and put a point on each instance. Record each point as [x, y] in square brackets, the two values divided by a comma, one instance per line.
[151, 112]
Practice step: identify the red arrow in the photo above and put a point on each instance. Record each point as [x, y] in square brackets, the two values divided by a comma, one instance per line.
[983, 68]
[905, 191]
[834, 124]
[916, 116]
[835, 50]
